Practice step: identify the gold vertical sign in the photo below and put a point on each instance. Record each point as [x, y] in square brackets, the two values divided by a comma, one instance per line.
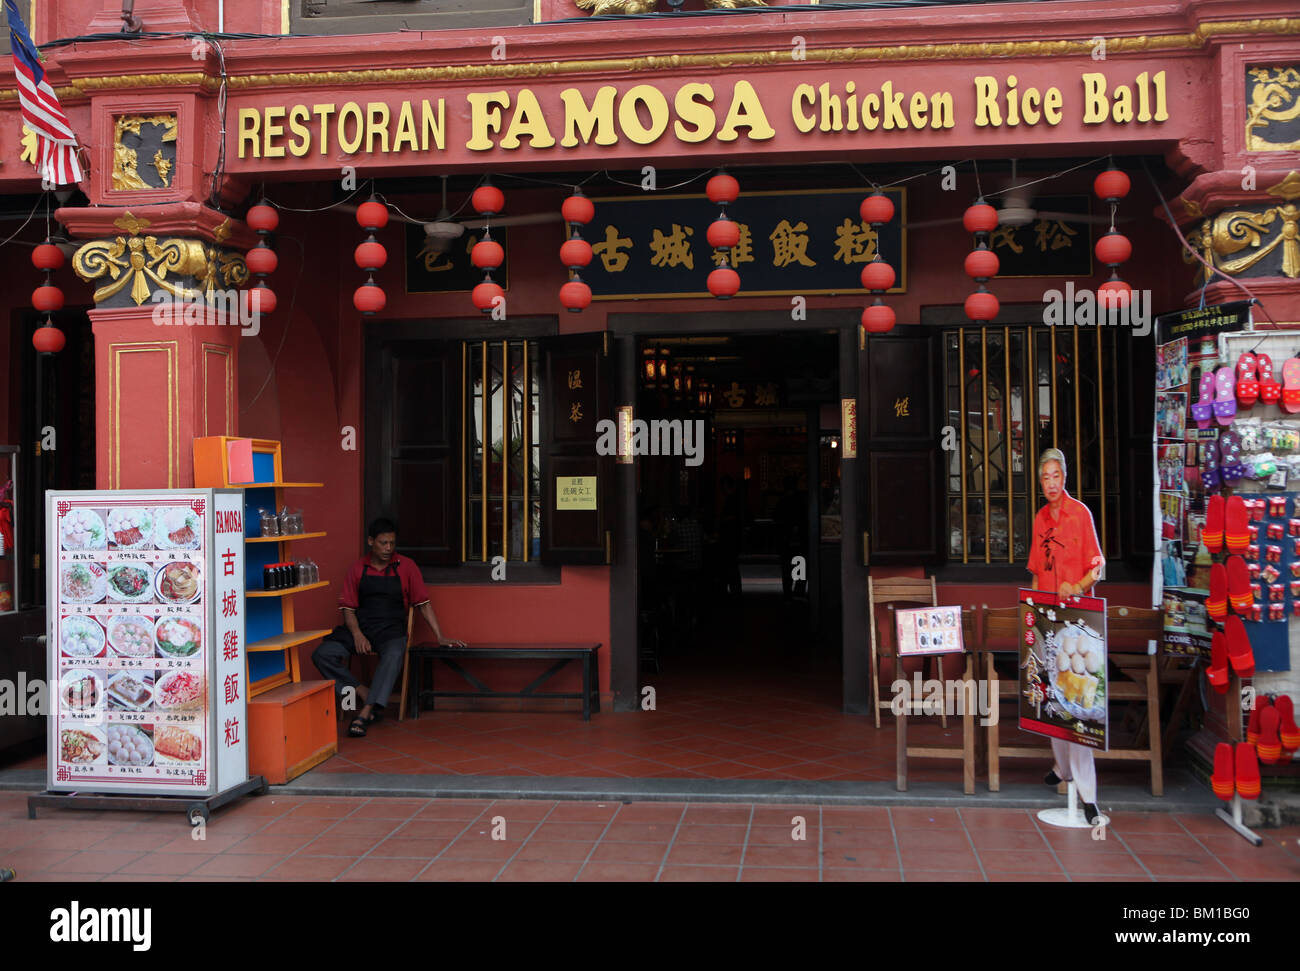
[849, 426]
[625, 435]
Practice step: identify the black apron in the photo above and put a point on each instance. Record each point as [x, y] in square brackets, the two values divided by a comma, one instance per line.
[381, 609]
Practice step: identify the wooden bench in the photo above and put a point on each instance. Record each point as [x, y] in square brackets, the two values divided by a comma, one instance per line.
[559, 654]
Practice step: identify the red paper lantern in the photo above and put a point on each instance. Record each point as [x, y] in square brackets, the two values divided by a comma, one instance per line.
[878, 275]
[1111, 185]
[723, 233]
[578, 209]
[48, 340]
[980, 218]
[487, 254]
[722, 189]
[575, 253]
[878, 208]
[261, 261]
[260, 300]
[982, 305]
[724, 282]
[878, 318]
[47, 256]
[1114, 295]
[369, 298]
[488, 200]
[484, 295]
[372, 215]
[370, 256]
[1114, 248]
[575, 296]
[264, 218]
[47, 298]
[982, 264]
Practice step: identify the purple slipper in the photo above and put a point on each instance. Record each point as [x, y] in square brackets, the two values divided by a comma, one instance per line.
[1203, 409]
[1230, 457]
[1225, 404]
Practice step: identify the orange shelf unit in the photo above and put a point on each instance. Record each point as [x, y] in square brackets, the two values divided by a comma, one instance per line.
[291, 729]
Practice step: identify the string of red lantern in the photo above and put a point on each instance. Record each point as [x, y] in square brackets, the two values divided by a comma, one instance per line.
[575, 252]
[723, 234]
[981, 263]
[878, 275]
[487, 253]
[1113, 248]
[262, 259]
[370, 257]
[47, 298]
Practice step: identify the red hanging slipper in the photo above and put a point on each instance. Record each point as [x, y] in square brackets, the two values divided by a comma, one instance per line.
[1286, 726]
[1240, 656]
[1269, 388]
[1247, 772]
[1269, 745]
[1236, 524]
[1217, 672]
[1247, 383]
[1216, 605]
[1252, 723]
[1212, 534]
[1223, 781]
[1239, 593]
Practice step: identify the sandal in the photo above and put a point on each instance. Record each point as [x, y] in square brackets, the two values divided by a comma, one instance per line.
[1203, 409]
[1247, 381]
[1270, 391]
[358, 727]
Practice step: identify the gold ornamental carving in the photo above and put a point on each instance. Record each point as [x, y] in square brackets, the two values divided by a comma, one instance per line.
[144, 262]
[1274, 99]
[1231, 232]
[126, 164]
[1288, 188]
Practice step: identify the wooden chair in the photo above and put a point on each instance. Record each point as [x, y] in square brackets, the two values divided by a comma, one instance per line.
[406, 670]
[968, 708]
[916, 591]
[1001, 635]
[1133, 637]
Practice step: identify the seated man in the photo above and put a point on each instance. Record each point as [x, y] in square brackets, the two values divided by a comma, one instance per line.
[377, 591]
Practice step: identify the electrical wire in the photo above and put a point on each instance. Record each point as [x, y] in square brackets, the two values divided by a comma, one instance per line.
[288, 321]
[30, 215]
[214, 195]
[319, 208]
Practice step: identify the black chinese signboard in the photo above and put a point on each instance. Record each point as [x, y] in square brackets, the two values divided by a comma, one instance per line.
[1203, 322]
[797, 243]
[1046, 247]
[431, 271]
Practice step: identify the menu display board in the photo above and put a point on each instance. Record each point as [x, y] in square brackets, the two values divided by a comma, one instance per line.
[1063, 679]
[146, 661]
[928, 630]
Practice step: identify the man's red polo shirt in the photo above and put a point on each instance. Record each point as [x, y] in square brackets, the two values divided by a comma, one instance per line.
[1063, 549]
[414, 592]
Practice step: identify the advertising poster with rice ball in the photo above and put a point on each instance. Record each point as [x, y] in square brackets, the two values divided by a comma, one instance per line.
[133, 582]
[1063, 680]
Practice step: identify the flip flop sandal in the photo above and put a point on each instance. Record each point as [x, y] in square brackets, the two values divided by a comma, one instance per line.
[1225, 399]
[1291, 385]
[1203, 409]
[1269, 389]
[358, 728]
[1247, 383]
[1212, 478]
[1230, 466]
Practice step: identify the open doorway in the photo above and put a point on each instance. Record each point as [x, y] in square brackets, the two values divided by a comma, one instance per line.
[738, 543]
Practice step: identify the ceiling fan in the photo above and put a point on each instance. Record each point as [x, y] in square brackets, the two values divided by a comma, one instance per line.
[1015, 208]
[444, 229]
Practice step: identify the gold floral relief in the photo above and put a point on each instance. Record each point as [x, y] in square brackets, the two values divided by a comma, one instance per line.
[1234, 241]
[126, 164]
[144, 263]
[1273, 114]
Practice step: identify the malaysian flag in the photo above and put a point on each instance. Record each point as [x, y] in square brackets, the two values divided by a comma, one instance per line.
[57, 155]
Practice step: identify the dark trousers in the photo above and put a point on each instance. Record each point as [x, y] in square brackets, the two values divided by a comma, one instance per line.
[333, 659]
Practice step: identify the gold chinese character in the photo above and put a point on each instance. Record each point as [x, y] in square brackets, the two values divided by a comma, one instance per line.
[575, 379]
[610, 251]
[735, 395]
[790, 244]
[1053, 232]
[1005, 236]
[673, 250]
[765, 394]
[855, 242]
[742, 252]
[900, 407]
[575, 412]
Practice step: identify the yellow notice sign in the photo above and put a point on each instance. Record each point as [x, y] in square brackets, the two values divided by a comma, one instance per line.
[575, 492]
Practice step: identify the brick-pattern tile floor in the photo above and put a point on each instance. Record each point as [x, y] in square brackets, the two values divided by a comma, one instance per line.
[325, 839]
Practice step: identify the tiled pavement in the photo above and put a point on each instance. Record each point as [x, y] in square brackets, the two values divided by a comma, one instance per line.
[275, 837]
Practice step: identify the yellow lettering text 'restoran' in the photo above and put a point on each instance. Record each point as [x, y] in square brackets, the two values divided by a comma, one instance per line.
[300, 144]
[249, 128]
[376, 126]
[433, 124]
[350, 143]
[272, 129]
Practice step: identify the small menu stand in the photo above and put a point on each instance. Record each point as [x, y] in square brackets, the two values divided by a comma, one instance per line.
[198, 810]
